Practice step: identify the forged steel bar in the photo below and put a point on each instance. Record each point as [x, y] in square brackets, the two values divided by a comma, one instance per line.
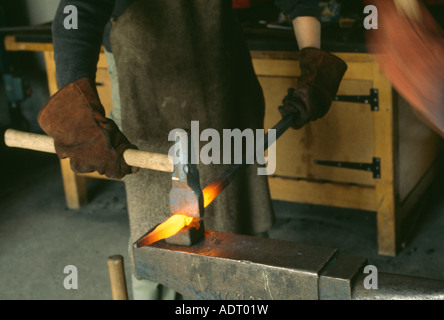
[228, 175]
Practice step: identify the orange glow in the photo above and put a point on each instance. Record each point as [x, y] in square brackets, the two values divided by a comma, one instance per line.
[167, 229]
[211, 192]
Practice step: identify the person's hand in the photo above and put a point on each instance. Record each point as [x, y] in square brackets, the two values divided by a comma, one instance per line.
[76, 120]
[321, 75]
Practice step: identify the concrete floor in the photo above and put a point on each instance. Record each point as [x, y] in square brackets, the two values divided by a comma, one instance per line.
[39, 236]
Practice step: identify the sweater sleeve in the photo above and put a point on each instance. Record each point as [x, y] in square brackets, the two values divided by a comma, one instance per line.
[299, 8]
[76, 51]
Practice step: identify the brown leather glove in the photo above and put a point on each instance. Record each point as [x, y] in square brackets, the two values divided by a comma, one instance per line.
[76, 120]
[321, 74]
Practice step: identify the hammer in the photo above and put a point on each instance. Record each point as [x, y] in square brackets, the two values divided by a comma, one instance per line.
[188, 200]
[186, 195]
[408, 45]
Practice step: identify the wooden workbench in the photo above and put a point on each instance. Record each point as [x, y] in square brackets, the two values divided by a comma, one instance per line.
[351, 132]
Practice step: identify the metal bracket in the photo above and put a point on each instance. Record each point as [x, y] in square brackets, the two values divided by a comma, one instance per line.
[374, 167]
[372, 99]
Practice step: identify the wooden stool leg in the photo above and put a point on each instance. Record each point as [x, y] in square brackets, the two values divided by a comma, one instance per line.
[117, 277]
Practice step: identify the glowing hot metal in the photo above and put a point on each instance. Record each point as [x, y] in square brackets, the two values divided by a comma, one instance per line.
[211, 191]
[166, 229]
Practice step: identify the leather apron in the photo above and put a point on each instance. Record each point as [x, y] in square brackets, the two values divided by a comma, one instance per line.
[180, 61]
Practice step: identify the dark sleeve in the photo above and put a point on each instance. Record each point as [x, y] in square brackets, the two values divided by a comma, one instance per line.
[299, 8]
[76, 51]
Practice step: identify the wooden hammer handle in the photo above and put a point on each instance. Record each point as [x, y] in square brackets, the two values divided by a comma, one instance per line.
[134, 158]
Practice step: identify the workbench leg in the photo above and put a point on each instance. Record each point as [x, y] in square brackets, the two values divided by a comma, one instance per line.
[387, 232]
[74, 186]
[386, 148]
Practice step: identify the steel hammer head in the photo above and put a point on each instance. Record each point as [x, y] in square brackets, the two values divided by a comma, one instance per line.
[186, 196]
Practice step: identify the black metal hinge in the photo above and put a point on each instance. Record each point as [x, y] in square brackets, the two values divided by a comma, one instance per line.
[374, 167]
[372, 99]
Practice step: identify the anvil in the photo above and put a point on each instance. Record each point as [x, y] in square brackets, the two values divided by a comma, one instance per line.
[227, 266]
